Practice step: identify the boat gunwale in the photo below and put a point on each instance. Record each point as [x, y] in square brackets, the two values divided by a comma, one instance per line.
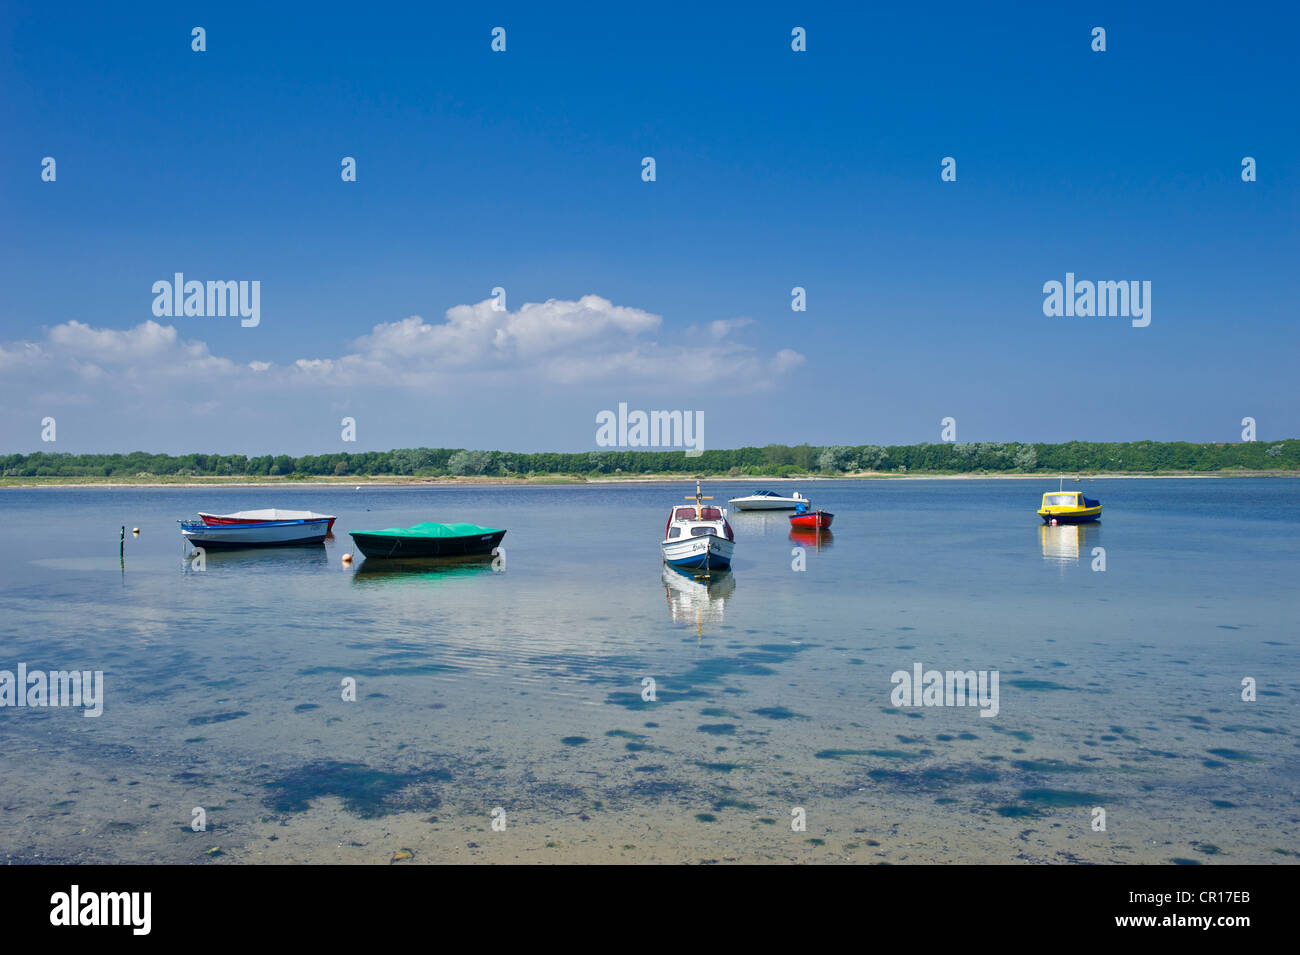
[261, 525]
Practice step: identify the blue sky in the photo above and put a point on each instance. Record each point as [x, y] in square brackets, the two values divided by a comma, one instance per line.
[522, 170]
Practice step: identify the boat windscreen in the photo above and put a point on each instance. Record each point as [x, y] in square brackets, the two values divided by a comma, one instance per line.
[1060, 500]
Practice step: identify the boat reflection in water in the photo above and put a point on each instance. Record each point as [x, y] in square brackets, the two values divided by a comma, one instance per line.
[818, 538]
[697, 599]
[379, 572]
[257, 559]
[1063, 543]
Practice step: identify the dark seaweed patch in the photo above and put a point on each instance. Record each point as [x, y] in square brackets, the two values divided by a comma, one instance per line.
[778, 713]
[1017, 734]
[1060, 797]
[710, 672]
[1234, 754]
[574, 740]
[366, 792]
[898, 754]
[1250, 729]
[718, 729]
[1048, 766]
[839, 753]
[722, 804]
[935, 778]
[217, 718]
[631, 700]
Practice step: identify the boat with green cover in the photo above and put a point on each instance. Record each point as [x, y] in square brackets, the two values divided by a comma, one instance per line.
[429, 540]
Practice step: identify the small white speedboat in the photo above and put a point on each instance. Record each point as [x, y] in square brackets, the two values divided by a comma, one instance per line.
[260, 534]
[698, 537]
[264, 516]
[768, 501]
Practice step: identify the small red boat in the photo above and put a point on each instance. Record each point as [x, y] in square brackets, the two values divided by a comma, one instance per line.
[812, 519]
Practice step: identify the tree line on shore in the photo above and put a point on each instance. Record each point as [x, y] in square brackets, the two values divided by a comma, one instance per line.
[777, 460]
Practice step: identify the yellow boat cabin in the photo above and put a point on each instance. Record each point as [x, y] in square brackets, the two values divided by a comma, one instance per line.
[1068, 507]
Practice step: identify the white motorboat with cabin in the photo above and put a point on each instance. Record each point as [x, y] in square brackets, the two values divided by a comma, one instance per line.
[768, 501]
[698, 536]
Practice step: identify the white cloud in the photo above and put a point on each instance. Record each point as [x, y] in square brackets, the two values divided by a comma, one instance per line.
[590, 341]
[723, 327]
[478, 335]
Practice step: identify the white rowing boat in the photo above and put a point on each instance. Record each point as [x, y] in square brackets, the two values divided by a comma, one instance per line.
[264, 516]
[259, 534]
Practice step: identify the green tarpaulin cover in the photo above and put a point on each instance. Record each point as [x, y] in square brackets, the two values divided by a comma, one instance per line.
[433, 530]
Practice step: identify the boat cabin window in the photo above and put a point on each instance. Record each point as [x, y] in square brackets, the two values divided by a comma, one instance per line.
[701, 531]
[675, 532]
[711, 513]
[1060, 500]
[684, 514]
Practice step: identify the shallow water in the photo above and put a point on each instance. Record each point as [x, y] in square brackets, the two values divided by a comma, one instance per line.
[522, 689]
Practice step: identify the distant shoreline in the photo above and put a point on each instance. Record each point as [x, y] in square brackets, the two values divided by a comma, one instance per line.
[560, 480]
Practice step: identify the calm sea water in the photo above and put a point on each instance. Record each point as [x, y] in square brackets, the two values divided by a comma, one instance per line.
[520, 692]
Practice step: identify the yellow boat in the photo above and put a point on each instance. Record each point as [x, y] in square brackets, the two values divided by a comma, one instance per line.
[1068, 507]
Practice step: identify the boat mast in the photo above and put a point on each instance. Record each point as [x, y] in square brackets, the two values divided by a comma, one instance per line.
[697, 498]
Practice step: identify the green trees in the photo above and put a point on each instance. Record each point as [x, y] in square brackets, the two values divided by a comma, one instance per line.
[837, 458]
[973, 458]
[469, 462]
